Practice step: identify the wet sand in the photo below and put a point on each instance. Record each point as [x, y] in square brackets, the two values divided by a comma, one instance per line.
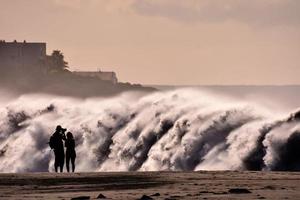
[155, 185]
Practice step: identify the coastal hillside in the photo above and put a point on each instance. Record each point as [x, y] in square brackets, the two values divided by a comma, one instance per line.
[26, 68]
[66, 84]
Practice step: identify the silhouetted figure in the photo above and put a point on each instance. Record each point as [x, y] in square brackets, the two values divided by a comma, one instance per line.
[70, 152]
[56, 143]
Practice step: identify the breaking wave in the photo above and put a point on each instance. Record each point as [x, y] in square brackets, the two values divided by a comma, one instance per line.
[178, 130]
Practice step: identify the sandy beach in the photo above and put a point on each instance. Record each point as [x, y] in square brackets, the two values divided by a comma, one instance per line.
[151, 185]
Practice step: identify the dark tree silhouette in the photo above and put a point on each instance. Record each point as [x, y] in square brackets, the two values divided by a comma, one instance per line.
[56, 61]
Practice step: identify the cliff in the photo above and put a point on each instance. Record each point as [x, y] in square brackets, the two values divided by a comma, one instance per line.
[63, 83]
[26, 68]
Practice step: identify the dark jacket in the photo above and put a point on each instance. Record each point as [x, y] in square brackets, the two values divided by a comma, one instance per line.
[70, 145]
[56, 141]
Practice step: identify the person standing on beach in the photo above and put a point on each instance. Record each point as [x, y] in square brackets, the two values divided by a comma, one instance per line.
[56, 143]
[70, 152]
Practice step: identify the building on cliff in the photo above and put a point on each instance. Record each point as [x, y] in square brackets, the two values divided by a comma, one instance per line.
[27, 57]
[105, 76]
[21, 55]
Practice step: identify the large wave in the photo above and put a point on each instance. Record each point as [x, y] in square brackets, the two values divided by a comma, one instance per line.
[177, 130]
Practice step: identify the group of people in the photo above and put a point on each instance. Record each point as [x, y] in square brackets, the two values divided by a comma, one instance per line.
[56, 143]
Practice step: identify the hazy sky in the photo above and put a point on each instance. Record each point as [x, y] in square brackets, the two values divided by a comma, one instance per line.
[166, 41]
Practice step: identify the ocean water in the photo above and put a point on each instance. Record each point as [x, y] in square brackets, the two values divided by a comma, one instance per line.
[198, 128]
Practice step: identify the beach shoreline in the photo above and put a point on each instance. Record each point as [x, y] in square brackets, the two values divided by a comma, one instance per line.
[156, 185]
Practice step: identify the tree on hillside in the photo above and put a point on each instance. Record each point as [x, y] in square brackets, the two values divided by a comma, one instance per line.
[56, 62]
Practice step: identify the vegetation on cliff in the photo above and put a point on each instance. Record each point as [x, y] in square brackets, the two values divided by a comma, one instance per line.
[52, 76]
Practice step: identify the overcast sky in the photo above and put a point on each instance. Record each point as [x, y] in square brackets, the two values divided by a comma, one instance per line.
[182, 42]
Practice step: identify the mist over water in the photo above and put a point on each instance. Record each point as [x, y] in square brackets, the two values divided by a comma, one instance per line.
[184, 129]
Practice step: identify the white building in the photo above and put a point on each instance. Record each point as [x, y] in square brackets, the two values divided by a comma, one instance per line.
[105, 76]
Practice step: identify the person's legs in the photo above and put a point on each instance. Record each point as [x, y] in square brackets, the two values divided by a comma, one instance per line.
[62, 161]
[68, 161]
[73, 163]
[56, 161]
[55, 166]
[60, 155]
